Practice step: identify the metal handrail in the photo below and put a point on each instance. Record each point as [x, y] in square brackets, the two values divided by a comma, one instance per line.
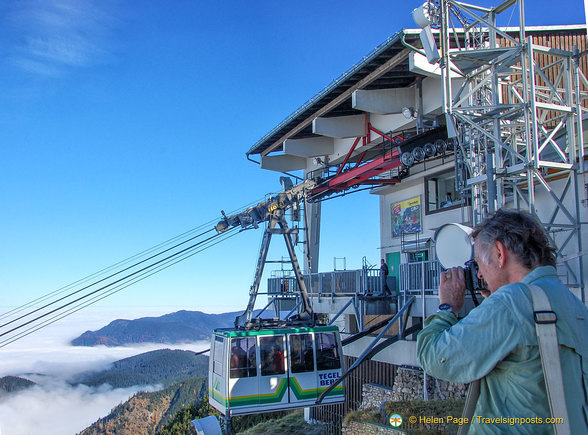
[414, 278]
[338, 282]
[420, 276]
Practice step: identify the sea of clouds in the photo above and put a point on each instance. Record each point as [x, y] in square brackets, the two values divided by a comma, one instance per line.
[53, 406]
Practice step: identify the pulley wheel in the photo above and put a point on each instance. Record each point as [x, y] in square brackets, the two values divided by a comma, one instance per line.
[418, 153]
[430, 149]
[441, 146]
[407, 159]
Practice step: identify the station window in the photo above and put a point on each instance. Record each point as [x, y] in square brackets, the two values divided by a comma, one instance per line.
[301, 353]
[440, 193]
[243, 360]
[327, 352]
[271, 352]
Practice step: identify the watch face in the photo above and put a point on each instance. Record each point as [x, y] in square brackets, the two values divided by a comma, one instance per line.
[444, 307]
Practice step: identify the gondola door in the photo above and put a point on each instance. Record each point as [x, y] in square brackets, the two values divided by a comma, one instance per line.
[273, 379]
[303, 376]
[242, 381]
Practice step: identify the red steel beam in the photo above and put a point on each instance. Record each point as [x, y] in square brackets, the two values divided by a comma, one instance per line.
[384, 182]
[348, 155]
[359, 175]
[375, 130]
[362, 174]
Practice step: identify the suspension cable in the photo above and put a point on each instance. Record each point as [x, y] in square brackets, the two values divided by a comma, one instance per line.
[101, 272]
[98, 297]
[93, 292]
[45, 318]
[61, 290]
[102, 280]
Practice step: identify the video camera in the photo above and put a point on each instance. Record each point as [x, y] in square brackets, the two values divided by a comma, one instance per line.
[455, 249]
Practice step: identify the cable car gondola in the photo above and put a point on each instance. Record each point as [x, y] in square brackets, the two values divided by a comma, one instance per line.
[273, 364]
[289, 367]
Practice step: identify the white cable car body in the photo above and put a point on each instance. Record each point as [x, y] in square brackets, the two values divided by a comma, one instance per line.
[268, 370]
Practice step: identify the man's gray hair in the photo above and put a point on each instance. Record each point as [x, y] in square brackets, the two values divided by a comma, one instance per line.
[520, 233]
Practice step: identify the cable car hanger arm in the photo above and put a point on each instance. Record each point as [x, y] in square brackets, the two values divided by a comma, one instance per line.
[273, 211]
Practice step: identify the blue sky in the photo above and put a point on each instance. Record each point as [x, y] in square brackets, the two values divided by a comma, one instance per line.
[125, 123]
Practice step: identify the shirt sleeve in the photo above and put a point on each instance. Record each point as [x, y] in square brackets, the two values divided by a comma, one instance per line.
[466, 350]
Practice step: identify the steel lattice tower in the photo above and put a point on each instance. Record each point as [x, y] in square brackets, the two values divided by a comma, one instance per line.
[516, 115]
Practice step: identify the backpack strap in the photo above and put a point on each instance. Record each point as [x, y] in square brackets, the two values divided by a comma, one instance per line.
[545, 325]
[470, 406]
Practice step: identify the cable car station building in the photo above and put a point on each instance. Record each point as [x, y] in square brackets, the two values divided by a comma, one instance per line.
[501, 127]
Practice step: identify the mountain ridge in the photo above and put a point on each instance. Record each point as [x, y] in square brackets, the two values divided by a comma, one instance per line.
[146, 412]
[162, 366]
[13, 384]
[179, 327]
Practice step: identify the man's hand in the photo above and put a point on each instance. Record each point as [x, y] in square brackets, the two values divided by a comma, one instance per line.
[452, 288]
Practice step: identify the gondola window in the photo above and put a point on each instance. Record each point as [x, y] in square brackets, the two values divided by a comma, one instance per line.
[272, 355]
[218, 356]
[243, 360]
[301, 353]
[327, 353]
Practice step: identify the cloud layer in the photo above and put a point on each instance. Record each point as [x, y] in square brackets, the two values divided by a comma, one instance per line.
[56, 408]
[53, 406]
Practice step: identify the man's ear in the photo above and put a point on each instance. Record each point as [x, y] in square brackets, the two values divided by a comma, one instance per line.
[500, 253]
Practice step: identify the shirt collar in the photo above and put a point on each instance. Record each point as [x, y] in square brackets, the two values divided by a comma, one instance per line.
[540, 272]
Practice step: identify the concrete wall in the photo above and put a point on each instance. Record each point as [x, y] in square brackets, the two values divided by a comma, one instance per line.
[411, 187]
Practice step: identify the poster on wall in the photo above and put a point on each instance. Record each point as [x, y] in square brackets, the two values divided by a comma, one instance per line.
[406, 216]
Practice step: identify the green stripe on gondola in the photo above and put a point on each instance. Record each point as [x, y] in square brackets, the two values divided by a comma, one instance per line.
[260, 399]
[252, 333]
[311, 393]
[218, 397]
[275, 397]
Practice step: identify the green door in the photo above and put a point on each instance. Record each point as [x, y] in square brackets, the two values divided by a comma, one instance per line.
[393, 262]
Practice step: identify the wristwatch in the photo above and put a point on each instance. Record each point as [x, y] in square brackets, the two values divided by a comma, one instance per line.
[445, 307]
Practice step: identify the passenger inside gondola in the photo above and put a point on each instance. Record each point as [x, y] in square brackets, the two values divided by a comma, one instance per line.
[277, 360]
[302, 353]
[272, 356]
[252, 362]
[243, 361]
[238, 362]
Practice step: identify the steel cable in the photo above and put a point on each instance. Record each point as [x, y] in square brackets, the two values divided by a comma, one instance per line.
[121, 285]
[118, 264]
[99, 289]
[102, 280]
[109, 288]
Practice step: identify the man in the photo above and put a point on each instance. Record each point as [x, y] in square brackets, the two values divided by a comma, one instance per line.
[496, 342]
[384, 278]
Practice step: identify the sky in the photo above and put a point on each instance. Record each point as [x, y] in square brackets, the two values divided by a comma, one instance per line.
[125, 123]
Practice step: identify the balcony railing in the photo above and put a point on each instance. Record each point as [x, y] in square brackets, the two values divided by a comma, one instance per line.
[339, 282]
[421, 277]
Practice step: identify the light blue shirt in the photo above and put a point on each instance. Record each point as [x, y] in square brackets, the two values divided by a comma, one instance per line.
[497, 343]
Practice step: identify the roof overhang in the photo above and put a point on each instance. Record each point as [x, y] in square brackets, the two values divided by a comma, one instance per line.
[392, 67]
